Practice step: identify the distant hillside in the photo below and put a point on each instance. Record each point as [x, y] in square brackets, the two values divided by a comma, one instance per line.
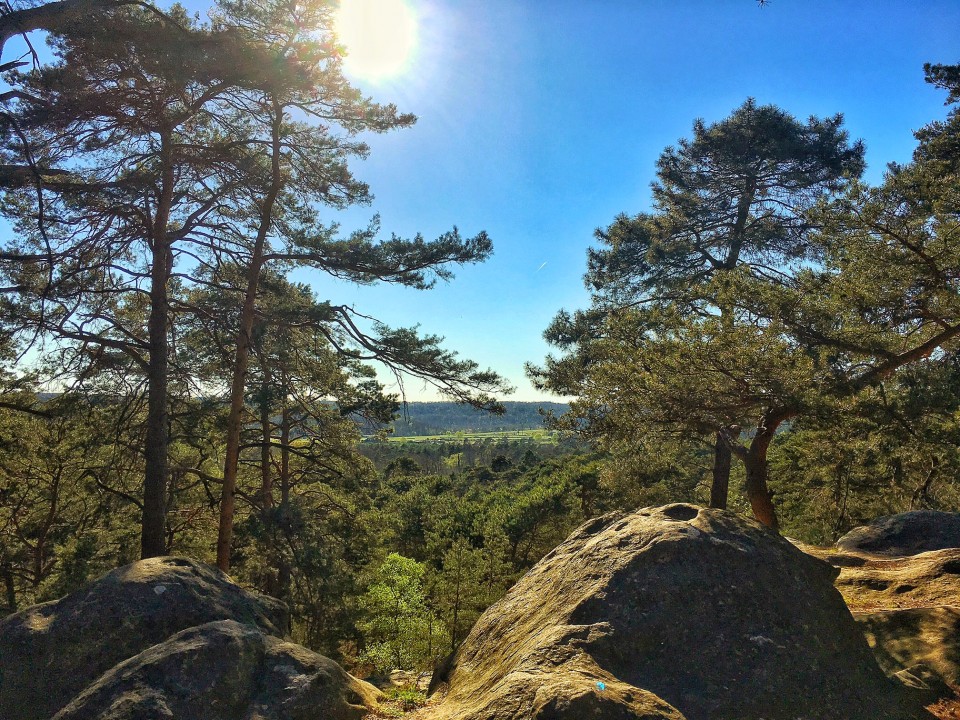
[435, 418]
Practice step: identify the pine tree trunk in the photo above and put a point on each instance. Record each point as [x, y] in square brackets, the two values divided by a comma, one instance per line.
[285, 455]
[283, 566]
[157, 439]
[720, 487]
[758, 493]
[156, 444]
[921, 496]
[10, 589]
[755, 464]
[270, 582]
[242, 358]
[266, 458]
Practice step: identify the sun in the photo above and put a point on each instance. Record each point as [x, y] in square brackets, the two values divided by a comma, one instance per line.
[380, 37]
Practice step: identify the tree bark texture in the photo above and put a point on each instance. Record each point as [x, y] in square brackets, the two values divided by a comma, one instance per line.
[720, 487]
[755, 464]
[758, 493]
[242, 357]
[266, 454]
[152, 537]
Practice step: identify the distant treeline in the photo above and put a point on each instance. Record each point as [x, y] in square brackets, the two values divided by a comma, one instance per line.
[435, 418]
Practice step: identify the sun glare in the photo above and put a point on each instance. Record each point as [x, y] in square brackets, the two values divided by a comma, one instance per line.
[379, 35]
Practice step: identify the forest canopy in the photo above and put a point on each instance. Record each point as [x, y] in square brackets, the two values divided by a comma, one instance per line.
[774, 335]
[770, 288]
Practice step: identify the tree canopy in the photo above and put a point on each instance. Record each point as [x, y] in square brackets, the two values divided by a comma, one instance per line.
[767, 284]
[158, 170]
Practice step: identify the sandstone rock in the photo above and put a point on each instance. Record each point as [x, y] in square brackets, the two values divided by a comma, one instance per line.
[701, 609]
[906, 608]
[922, 641]
[223, 670]
[924, 580]
[52, 652]
[401, 679]
[905, 534]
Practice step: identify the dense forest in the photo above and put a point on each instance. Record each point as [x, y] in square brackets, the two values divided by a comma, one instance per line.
[775, 336]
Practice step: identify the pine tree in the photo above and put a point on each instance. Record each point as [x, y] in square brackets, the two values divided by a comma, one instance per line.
[729, 201]
[169, 149]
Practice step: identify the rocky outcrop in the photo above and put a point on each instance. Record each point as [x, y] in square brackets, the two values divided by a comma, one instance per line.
[670, 612]
[146, 638]
[923, 641]
[905, 597]
[221, 671]
[924, 580]
[904, 534]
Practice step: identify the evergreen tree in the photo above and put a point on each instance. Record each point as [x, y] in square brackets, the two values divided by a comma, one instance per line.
[399, 629]
[166, 165]
[854, 290]
[133, 126]
[729, 201]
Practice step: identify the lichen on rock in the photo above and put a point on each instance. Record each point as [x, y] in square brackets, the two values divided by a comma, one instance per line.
[681, 612]
[166, 638]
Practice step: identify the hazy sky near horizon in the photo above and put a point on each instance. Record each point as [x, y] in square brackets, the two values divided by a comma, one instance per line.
[541, 121]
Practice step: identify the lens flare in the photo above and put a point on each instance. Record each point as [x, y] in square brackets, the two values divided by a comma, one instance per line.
[380, 37]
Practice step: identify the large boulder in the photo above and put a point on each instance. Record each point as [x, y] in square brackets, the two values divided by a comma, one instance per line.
[52, 652]
[672, 610]
[223, 670]
[923, 580]
[905, 534]
[906, 607]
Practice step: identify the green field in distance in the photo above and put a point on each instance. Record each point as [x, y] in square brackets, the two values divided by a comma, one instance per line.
[542, 436]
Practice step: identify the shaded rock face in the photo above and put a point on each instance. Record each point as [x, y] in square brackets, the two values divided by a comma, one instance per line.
[906, 606]
[127, 636]
[221, 671]
[905, 534]
[924, 642]
[677, 611]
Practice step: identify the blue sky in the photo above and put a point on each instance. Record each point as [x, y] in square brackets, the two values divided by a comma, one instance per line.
[540, 121]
